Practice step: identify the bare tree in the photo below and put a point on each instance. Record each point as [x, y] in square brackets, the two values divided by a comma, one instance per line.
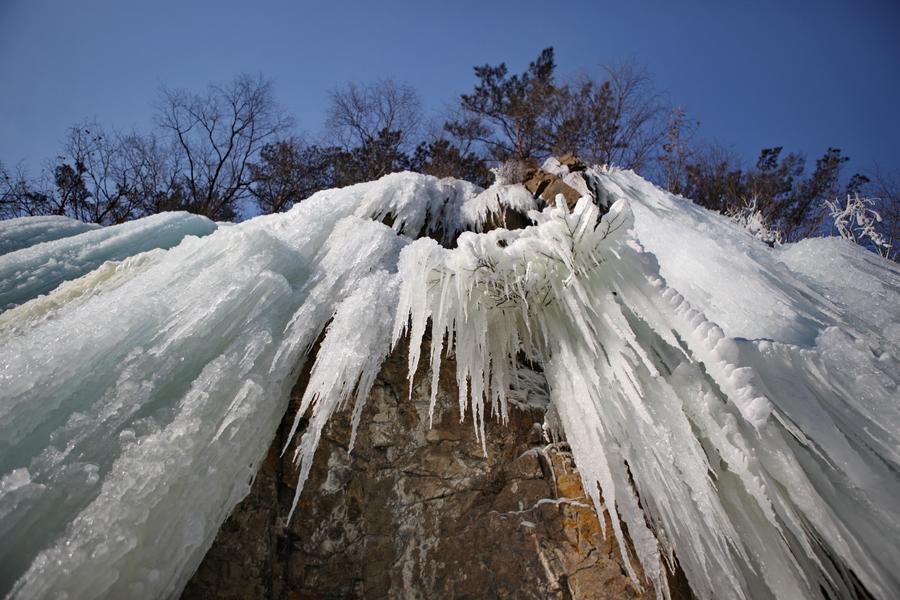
[105, 194]
[155, 171]
[884, 187]
[578, 112]
[10, 205]
[290, 171]
[106, 177]
[636, 111]
[218, 134]
[359, 114]
[442, 158]
[373, 129]
[677, 150]
[20, 196]
[714, 178]
[614, 120]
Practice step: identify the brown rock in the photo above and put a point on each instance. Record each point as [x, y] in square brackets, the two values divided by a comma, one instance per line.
[507, 218]
[417, 512]
[573, 162]
[558, 187]
[546, 186]
[538, 180]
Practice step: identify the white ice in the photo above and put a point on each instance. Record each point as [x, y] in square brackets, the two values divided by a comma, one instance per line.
[22, 232]
[29, 272]
[735, 406]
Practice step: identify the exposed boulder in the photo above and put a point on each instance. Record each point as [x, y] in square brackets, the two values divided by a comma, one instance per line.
[572, 162]
[507, 218]
[546, 186]
[564, 175]
[558, 186]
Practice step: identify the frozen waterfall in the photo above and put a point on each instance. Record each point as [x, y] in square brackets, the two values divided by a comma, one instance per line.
[732, 405]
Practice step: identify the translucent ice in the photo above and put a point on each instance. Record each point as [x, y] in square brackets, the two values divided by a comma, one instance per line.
[16, 234]
[37, 269]
[733, 406]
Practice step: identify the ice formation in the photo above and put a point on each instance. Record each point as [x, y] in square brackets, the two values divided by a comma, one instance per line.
[37, 269]
[733, 405]
[16, 234]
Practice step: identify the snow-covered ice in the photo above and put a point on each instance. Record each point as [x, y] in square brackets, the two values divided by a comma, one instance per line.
[16, 234]
[731, 404]
[38, 269]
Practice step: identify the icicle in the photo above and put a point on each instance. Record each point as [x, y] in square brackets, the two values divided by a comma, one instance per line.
[732, 405]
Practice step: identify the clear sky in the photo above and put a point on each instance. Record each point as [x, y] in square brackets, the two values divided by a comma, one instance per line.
[802, 74]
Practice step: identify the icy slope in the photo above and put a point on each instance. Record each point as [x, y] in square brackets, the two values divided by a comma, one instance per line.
[733, 405]
[16, 234]
[35, 270]
[158, 382]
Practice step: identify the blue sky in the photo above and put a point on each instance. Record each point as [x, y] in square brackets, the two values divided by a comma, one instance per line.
[800, 74]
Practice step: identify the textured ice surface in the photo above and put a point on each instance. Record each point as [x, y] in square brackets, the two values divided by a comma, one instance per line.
[16, 234]
[733, 405]
[857, 285]
[415, 205]
[766, 466]
[476, 210]
[35, 270]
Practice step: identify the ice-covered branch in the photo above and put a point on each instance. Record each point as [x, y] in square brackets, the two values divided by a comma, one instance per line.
[857, 222]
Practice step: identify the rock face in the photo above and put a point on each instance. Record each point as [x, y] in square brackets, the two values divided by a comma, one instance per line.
[417, 512]
[547, 185]
[565, 175]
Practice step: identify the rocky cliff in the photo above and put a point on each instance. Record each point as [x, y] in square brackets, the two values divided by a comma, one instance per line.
[418, 512]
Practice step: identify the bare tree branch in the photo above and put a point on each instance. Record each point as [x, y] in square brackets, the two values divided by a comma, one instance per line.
[219, 133]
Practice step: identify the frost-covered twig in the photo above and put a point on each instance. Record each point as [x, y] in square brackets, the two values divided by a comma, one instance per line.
[857, 222]
[751, 218]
